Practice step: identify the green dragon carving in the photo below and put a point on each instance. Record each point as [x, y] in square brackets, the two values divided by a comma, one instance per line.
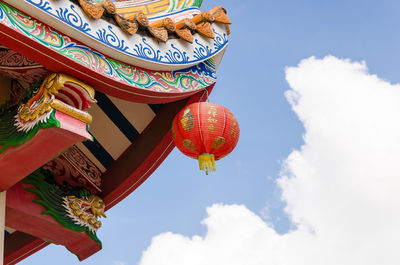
[73, 207]
[12, 135]
[18, 124]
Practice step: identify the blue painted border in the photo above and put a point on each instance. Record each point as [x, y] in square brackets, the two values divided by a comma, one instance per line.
[141, 49]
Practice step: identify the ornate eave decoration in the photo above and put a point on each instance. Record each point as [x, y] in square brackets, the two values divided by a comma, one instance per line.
[161, 29]
[94, 67]
[19, 67]
[161, 43]
[20, 123]
[73, 207]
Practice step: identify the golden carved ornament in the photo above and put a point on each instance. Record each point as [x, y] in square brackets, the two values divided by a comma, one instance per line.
[44, 100]
[67, 109]
[88, 210]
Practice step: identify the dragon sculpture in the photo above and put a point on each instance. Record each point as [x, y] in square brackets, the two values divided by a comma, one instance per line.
[58, 92]
[73, 207]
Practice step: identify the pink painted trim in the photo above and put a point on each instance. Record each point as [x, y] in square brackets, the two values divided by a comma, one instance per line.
[73, 125]
[58, 63]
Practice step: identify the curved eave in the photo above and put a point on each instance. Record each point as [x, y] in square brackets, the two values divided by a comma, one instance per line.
[111, 41]
[126, 174]
[144, 156]
[60, 53]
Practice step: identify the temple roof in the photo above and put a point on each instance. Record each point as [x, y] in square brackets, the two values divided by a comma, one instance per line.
[146, 59]
[162, 28]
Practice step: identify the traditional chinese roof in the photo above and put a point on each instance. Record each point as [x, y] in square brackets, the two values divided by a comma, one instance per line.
[146, 59]
[163, 28]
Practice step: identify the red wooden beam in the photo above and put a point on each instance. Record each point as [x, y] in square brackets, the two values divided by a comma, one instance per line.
[24, 215]
[19, 245]
[19, 161]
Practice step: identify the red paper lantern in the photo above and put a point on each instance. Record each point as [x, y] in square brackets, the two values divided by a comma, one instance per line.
[206, 132]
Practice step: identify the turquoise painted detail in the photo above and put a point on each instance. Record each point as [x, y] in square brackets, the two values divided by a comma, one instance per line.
[188, 79]
[107, 35]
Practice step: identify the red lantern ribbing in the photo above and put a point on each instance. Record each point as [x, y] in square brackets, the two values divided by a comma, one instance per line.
[206, 132]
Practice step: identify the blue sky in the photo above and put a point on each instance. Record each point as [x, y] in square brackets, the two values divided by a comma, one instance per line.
[267, 37]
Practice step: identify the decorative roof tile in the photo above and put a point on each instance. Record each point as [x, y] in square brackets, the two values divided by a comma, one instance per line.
[162, 29]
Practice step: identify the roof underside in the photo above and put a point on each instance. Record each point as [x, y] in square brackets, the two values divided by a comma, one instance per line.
[135, 105]
[129, 141]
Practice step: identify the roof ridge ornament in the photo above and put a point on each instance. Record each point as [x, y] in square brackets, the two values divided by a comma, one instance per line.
[163, 28]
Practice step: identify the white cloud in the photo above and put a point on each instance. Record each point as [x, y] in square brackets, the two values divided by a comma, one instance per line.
[342, 188]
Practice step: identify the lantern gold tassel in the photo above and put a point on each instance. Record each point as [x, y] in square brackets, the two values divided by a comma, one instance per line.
[207, 162]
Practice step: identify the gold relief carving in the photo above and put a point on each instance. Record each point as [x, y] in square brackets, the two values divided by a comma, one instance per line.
[218, 142]
[71, 111]
[87, 210]
[188, 145]
[28, 114]
[44, 101]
